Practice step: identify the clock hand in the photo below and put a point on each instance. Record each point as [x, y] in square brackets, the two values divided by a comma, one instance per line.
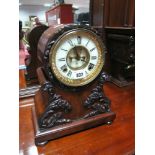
[83, 59]
[71, 57]
[77, 54]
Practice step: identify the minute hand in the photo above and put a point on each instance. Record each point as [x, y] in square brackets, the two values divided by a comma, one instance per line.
[77, 54]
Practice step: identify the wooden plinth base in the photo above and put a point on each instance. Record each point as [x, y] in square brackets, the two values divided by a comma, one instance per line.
[42, 137]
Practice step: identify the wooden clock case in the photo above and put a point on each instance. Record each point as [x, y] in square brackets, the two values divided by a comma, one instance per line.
[61, 110]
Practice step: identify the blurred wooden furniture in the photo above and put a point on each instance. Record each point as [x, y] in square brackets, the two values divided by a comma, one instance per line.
[61, 14]
[22, 81]
[115, 21]
[112, 13]
[32, 62]
[115, 139]
[121, 47]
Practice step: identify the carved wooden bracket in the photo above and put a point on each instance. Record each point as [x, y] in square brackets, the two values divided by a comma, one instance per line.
[97, 101]
[53, 114]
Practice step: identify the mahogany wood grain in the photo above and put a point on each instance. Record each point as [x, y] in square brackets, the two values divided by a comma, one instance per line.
[22, 81]
[113, 13]
[115, 139]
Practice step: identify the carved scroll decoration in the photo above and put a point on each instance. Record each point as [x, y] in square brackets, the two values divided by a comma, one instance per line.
[97, 101]
[53, 114]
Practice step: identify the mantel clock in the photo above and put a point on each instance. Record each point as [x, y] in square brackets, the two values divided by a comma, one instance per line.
[71, 97]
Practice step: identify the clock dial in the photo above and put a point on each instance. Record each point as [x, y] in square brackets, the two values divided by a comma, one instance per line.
[77, 57]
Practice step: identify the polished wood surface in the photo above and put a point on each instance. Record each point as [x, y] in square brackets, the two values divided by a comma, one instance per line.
[115, 139]
[22, 81]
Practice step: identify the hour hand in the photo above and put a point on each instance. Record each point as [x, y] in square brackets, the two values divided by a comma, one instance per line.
[83, 59]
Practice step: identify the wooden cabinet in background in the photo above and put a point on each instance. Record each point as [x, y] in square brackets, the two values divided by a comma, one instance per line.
[96, 13]
[112, 13]
[115, 22]
[121, 48]
[119, 13]
[61, 14]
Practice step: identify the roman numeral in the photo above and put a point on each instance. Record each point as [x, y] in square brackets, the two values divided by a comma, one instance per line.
[92, 49]
[64, 68]
[87, 42]
[91, 66]
[79, 74]
[69, 73]
[93, 57]
[70, 42]
[86, 72]
[79, 39]
[62, 59]
[64, 49]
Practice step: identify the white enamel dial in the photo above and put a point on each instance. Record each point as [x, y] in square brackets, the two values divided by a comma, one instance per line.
[77, 59]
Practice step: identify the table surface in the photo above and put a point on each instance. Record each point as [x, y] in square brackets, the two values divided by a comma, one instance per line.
[115, 139]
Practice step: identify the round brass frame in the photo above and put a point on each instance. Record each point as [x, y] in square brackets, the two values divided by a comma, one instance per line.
[94, 73]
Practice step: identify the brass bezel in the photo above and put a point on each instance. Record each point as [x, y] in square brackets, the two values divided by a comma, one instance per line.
[96, 70]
